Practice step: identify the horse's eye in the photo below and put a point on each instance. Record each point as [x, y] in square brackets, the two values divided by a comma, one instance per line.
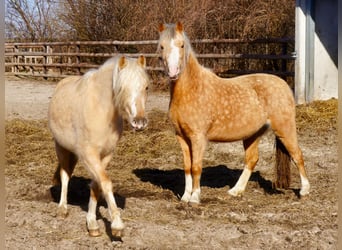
[182, 46]
[161, 47]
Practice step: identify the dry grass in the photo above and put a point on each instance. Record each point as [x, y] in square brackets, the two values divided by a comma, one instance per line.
[30, 142]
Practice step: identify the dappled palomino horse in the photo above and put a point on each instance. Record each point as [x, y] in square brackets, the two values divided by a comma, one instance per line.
[86, 119]
[205, 107]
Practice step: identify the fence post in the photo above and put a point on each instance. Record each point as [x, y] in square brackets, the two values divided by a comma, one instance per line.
[49, 51]
[30, 61]
[284, 61]
[45, 61]
[15, 60]
[78, 69]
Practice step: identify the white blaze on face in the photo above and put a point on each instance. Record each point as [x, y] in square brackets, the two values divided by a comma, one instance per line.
[133, 104]
[173, 60]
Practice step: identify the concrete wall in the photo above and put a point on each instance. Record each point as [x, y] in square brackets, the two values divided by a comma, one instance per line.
[316, 76]
[326, 50]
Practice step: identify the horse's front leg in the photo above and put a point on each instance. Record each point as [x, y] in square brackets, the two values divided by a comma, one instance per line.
[185, 146]
[198, 145]
[117, 225]
[97, 169]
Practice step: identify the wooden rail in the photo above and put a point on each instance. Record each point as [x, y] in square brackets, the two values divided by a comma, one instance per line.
[61, 59]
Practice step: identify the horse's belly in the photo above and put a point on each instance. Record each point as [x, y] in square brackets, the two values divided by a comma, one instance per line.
[64, 134]
[233, 130]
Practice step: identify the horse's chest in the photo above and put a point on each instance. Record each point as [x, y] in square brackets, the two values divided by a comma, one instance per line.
[103, 136]
[188, 116]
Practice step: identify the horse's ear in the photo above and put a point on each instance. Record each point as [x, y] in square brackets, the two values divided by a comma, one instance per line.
[142, 61]
[179, 27]
[122, 62]
[161, 27]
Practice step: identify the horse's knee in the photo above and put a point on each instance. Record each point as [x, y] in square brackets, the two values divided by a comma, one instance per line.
[106, 186]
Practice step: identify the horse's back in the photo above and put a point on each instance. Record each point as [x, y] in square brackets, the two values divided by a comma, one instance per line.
[273, 92]
[250, 101]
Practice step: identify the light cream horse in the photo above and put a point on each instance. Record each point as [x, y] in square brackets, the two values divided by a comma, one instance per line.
[86, 119]
[205, 107]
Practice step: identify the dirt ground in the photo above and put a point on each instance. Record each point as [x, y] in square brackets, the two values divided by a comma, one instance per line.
[148, 180]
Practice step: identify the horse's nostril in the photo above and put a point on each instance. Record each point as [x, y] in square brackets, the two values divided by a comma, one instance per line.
[139, 123]
[145, 122]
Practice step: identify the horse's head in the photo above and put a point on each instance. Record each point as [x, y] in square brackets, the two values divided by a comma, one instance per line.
[173, 47]
[130, 90]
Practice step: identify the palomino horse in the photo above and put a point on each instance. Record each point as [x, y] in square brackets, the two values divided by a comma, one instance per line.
[86, 119]
[205, 107]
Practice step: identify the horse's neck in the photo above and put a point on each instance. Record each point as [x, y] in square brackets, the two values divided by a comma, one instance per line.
[102, 85]
[188, 80]
[105, 76]
[192, 66]
[191, 73]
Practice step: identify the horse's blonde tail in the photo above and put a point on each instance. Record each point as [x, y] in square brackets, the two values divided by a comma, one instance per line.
[283, 166]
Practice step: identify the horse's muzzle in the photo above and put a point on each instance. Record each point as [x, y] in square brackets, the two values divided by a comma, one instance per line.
[139, 123]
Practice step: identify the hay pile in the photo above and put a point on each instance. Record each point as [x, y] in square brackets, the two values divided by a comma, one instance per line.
[318, 116]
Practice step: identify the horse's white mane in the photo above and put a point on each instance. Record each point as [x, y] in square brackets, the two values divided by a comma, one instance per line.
[128, 80]
[125, 81]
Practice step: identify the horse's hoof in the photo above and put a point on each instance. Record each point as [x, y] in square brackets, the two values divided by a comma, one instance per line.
[304, 191]
[62, 212]
[194, 203]
[117, 233]
[185, 198]
[234, 192]
[94, 232]
[195, 200]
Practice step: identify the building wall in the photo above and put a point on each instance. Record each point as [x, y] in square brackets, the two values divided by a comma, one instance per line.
[316, 76]
[326, 50]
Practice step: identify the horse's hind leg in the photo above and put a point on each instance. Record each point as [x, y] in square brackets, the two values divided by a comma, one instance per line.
[92, 225]
[291, 144]
[251, 159]
[66, 164]
[287, 134]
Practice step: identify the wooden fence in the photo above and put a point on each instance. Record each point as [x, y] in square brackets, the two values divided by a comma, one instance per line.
[227, 57]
